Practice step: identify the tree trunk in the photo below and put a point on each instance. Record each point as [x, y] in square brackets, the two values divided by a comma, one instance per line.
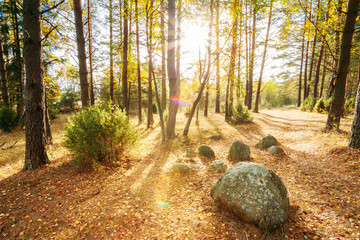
[178, 39]
[92, 98]
[163, 57]
[81, 53]
[149, 28]
[125, 100]
[252, 59]
[173, 80]
[111, 53]
[246, 55]
[138, 61]
[4, 79]
[162, 125]
[256, 109]
[354, 141]
[217, 29]
[48, 135]
[336, 107]
[323, 75]
[302, 60]
[35, 147]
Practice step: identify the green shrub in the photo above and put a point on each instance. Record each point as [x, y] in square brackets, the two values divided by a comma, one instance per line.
[308, 104]
[98, 134]
[68, 99]
[320, 106]
[241, 114]
[53, 113]
[8, 119]
[154, 109]
[349, 105]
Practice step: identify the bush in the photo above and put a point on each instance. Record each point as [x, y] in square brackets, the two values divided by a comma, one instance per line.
[350, 105]
[308, 104]
[68, 99]
[98, 134]
[241, 114]
[8, 119]
[154, 109]
[53, 113]
[320, 106]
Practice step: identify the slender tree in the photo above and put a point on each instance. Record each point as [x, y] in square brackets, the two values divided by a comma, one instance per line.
[149, 33]
[256, 109]
[217, 32]
[337, 103]
[302, 59]
[138, 61]
[125, 100]
[111, 52]
[79, 26]
[174, 86]
[252, 58]
[4, 79]
[92, 98]
[35, 146]
[163, 56]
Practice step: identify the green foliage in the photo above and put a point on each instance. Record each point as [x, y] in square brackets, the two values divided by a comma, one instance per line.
[154, 108]
[350, 105]
[241, 114]
[320, 106]
[53, 113]
[68, 99]
[8, 119]
[308, 104]
[98, 134]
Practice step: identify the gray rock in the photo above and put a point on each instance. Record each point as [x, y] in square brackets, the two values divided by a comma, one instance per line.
[267, 142]
[195, 167]
[239, 151]
[253, 192]
[206, 151]
[190, 152]
[275, 150]
[219, 166]
[215, 137]
[180, 168]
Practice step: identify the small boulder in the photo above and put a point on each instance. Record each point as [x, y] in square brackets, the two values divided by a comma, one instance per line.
[239, 151]
[190, 152]
[215, 137]
[181, 168]
[206, 151]
[275, 150]
[254, 193]
[218, 166]
[267, 142]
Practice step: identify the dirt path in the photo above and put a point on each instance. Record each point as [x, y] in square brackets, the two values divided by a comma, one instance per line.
[139, 199]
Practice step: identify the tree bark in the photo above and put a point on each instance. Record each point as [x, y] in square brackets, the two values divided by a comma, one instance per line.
[323, 75]
[111, 53]
[79, 26]
[35, 147]
[4, 79]
[217, 29]
[173, 80]
[138, 61]
[256, 109]
[252, 59]
[163, 57]
[92, 98]
[149, 28]
[125, 100]
[336, 107]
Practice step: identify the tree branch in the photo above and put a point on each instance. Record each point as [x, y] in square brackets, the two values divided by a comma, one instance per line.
[53, 7]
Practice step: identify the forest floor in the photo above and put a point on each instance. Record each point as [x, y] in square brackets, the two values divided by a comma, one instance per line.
[136, 198]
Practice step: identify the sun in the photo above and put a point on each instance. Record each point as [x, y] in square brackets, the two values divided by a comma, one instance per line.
[195, 36]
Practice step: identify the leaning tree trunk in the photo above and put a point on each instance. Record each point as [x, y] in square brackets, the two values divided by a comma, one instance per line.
[4, 79]
[173, 80]
[35, 147]
[336, 107]
[81, 53]
[256, 109]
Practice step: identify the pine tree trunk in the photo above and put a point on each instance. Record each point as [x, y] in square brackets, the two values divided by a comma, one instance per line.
[217, 29]
[336, 107]
[149, 28]
[111, 53]
[4, 79]
[302, 60]
[138, 61]
[163, 57]
[252, 59]
[35, 147]
[81, 53]
[92, 98]
[173, 80]
[323, 75]
[125, 59]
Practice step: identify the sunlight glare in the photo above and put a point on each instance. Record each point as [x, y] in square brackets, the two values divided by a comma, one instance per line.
[195, 36]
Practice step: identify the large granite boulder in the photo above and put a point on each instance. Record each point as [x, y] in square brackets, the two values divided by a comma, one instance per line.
[267, 142]
[181, 168]
[206, 151]
[275, 150]
[239, 151]
[253, 192]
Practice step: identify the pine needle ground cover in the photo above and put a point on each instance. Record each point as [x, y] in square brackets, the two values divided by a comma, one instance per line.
[136, 197]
